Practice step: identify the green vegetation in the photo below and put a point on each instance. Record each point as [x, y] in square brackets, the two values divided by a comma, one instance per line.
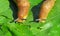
[28, 28]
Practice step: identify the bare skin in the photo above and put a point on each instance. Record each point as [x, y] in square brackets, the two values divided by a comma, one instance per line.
[23, 8]
[45, 9]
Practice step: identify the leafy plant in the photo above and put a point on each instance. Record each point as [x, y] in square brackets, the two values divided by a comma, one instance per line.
[28, 28]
